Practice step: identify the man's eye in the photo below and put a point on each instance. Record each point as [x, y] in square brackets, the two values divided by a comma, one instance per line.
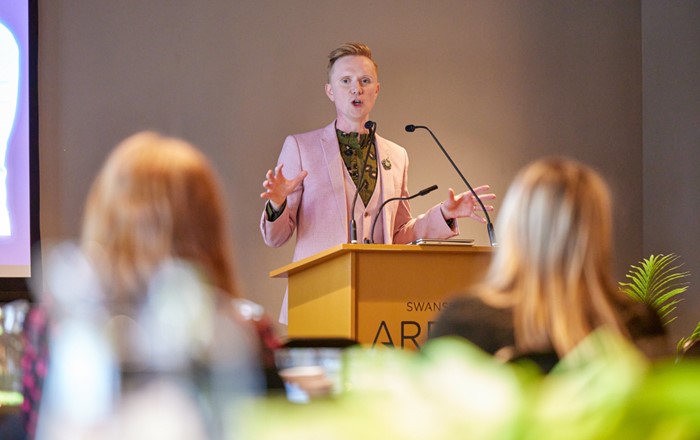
[344, 80]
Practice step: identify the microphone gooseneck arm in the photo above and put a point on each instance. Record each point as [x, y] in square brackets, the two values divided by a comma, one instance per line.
[393, 199]
[372, 127]
[489, 226]
[353, 223]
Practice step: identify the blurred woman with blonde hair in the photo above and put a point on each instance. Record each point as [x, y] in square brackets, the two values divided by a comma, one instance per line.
[153, 282]
[156, 198]
[549, 284]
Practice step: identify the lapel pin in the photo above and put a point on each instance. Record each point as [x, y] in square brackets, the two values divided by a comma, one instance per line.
[386, 163]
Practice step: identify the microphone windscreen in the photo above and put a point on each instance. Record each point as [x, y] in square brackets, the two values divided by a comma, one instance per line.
[369, 124]
[428, 190]
[410, 128]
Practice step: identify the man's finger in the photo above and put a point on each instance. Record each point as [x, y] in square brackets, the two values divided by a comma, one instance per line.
[482, 188]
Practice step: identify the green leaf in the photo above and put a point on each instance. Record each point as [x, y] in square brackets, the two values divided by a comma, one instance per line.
[681, 346]
[657, 281]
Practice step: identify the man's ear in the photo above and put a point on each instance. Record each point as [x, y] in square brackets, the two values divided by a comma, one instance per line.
[329, 92]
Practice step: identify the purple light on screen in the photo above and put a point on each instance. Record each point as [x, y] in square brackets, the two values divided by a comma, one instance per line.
[15, 239]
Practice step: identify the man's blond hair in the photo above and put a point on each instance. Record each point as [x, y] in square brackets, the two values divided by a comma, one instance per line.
[349, 49]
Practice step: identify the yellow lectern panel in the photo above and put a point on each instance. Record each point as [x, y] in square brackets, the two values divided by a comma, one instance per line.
[379, 295]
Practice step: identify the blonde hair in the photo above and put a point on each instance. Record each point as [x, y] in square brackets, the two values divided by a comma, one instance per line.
[553, 262]
[349, 49]
[154, 199]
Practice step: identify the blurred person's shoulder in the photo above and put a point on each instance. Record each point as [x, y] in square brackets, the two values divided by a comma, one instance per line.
[254, 314]
[466, 315]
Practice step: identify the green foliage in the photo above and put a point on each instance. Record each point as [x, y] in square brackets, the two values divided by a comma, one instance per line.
[683, 342]
[657, 281]
[604, 389]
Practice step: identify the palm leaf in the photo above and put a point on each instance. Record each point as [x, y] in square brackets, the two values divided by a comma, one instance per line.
[683, 342]
[657, 281]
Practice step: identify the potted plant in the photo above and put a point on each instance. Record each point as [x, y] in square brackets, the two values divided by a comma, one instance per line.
[658, 282]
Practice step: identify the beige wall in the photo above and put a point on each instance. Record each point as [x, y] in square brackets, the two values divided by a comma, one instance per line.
[500, 82]
[671, 66]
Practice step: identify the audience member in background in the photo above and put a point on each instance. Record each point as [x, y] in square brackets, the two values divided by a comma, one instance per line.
[155, 240]
[34, 366]
[549, 285]
[157, 199]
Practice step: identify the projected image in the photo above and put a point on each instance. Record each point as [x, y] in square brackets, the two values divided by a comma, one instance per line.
[15, 214]
[9, 86]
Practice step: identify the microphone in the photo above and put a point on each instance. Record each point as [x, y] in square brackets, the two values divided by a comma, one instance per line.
[372, 127]
[489, 226]
[393, 199]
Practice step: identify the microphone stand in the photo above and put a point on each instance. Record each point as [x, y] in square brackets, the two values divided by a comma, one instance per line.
[489, 226]
[353, 223]
[379, 211]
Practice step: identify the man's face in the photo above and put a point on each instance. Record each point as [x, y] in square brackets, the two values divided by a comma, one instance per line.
[353, 87]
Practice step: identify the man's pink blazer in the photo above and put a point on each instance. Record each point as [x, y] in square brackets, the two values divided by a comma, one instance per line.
[319, 210]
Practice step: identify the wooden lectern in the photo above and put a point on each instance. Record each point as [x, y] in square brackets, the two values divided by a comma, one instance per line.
[377, 294]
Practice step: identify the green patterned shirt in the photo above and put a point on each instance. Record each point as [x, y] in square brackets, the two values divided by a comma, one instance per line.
[353, 149]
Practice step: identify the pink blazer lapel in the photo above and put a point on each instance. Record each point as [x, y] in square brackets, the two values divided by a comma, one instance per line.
[388, 188]
[335, 169]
